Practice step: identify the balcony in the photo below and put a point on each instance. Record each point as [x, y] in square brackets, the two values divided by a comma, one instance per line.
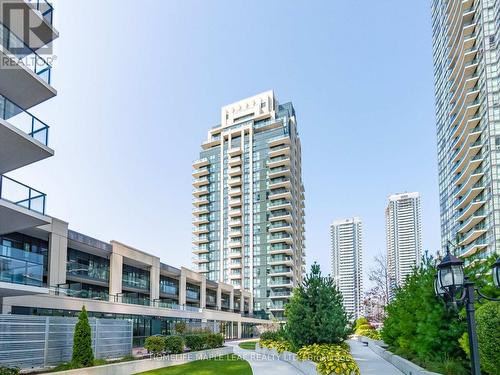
[472, 221]
[279, 172]
[235, 192]
[235, 213]
[234, 254]
[280, 295]
[473, 178]
[201, 220]
[279, 161]
[203, 162]
[472, 207]
[21, 207]
[201, 191]
[473, 131]
[280, 215]
[279, 140]
[201, 229]
[24, 75]
[283, 271]
[197, 182]
[200, 250]
[235, 223]
[202, 210]
[471, 195]
[235, 243]
[472, 165]
[280, 227]
[473, 248]
[21, 272]
[280, 193]
[280, 204]
[280, 182]
[40, 15]
[280, 260]
[234, 181]
[234, 202]
[235, 171]
[234, 161]
[23, 138]
[235, 233]
[472, 234]
[203, 171]
[235, 151]
[286, 250]
[200, 201]
[275, 152]
[200, 239]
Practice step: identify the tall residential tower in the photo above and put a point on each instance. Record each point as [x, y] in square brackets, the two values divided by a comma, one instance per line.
[403, 234]
[347, 263]
[466, 35]
[249, 202]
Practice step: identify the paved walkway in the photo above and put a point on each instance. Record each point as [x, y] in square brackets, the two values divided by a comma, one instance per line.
[370, 363]
[264, 365]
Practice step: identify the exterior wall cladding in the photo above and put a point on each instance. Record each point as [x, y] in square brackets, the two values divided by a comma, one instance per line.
[466, 35]
[249, 202]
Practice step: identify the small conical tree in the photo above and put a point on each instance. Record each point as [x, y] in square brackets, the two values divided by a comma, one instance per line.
[315, 313]
[82, 342]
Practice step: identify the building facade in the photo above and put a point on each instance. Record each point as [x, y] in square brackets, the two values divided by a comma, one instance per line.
[466, 35]
[249, 202]
[403, 236]
[51, 270]
[347, 263]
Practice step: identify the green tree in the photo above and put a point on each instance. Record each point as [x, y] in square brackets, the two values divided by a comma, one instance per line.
[418, 324]
[315, 313]
[82, 342]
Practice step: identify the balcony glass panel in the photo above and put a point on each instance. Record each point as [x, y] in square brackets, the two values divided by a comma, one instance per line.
[79, 290]
[24, 120]
[192, 292]
[88, 266]
[22, 195]
[25, 54]
[45, 8]
[21, 267]
[169, 285]
[135, 277]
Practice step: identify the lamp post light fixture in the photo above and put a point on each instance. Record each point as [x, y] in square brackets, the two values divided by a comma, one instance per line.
[451, 285]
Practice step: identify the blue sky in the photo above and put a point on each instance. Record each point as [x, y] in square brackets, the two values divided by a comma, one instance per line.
[140, 84]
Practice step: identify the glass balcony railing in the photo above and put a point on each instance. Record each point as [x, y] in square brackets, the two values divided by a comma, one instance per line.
[22, 195]
[45, 8]
[24, 120]
[21, 267]
[25, 54]
[94, 271]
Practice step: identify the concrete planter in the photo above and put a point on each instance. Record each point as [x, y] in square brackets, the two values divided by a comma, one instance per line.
[307, 367]
[134, 367]
[403, 365]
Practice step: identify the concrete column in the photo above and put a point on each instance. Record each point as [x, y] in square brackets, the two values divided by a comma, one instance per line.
[203, 293]
[58, 252]
[239, 330]
[231, 300]
[182, 288]
[250, 305]
[219, 297]
[242, 304]
[115, 276]
[154, 277]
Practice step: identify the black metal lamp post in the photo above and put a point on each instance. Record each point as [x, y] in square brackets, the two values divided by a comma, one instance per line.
[450, 282]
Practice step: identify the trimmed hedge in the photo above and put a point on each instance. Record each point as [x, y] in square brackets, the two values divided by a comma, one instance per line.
[488, 323]
[195, 342]
[174, 344]
[155, 344]
[330, 359]
[215, 340]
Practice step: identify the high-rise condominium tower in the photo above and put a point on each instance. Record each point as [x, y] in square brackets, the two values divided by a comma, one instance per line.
[249, 202]
[466, 36]
[403, 234]
[347, 263]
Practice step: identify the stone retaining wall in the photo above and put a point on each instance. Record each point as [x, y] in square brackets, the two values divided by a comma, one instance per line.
[403, 365]
[134, 367]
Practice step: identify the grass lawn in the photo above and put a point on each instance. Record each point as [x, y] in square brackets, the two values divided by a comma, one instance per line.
[225, 365]
[250, 345]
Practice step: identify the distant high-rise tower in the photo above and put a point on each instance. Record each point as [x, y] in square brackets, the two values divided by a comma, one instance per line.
[249, 202]
[466, 36]
[404, 235]
[347, 263]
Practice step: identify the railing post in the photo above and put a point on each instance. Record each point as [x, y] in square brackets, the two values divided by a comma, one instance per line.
[46, 345]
